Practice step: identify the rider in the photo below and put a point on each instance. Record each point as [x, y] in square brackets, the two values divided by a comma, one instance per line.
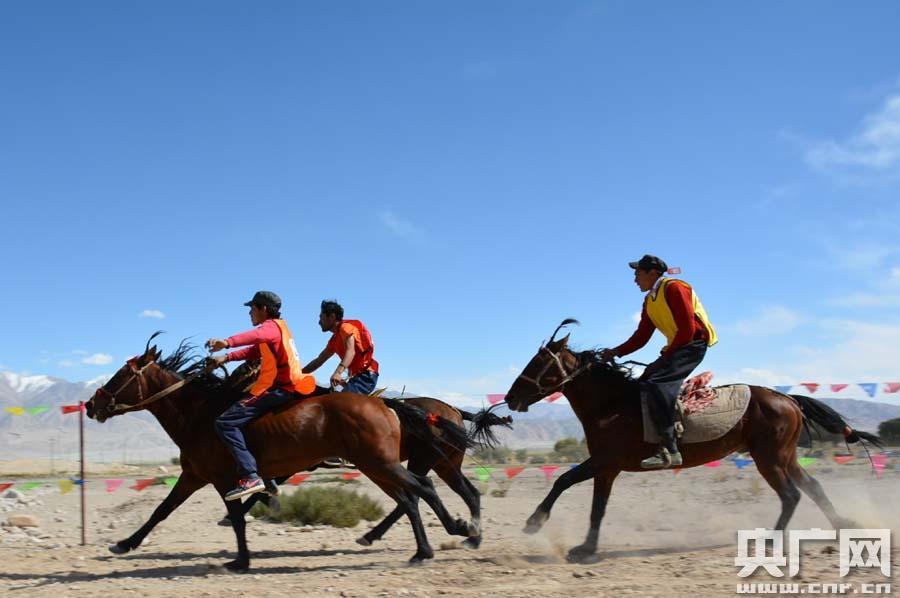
[672, 307]
[350, 339]
[280, 379]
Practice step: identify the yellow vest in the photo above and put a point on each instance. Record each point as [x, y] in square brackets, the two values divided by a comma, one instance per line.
[661, 315]
[268, 372]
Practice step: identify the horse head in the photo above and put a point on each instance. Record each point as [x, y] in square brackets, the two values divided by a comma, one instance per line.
[552, 367]
[126, 389]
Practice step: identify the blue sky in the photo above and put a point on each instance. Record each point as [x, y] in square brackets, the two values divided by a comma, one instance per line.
[460, 177]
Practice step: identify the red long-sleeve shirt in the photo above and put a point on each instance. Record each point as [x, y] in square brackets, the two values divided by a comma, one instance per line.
[267, 332]
[679, 298]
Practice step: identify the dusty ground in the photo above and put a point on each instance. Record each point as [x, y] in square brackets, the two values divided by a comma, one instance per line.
[663, 535]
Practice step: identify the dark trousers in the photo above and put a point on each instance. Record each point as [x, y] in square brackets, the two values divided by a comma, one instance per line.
[661, 382]
[230, 425]
[363, 383]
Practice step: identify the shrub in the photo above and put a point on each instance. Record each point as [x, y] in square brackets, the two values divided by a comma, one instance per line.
[322, 506]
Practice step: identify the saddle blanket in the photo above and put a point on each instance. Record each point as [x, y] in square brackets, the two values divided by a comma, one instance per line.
[703, 413]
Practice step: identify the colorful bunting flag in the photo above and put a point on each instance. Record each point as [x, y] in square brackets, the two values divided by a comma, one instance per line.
[891, 387]
[494, 399]
[71, 408]
[676, 470]
[350, 475]
[712, 464]
[297, 479]
[484, 473]
[841, 459]
[742, 463]
[5, 486]
[30, 485]
[512, 472]
[15, 410]
[113, 485]
[806, 461]
[674, 270]
[785, 389]
[548, 471]
[838, 387]
[37, 410]
[170, 482]
[812, 387]
[879, 461]
[65, 486]
[870, 387]
[141, 484]
[553, 397]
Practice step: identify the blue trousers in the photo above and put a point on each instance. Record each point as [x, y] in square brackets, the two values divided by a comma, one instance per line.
[363, 383]
[230, 426]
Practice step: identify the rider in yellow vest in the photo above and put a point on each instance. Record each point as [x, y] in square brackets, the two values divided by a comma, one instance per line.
[281, 379]
[672, 307]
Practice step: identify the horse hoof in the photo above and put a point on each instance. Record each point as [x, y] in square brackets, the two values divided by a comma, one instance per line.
[473, 542]
[534, 523]
[225, 522]
[420, 557]
[363, 541]
[582, 555]
[119, 548]
[238, 565]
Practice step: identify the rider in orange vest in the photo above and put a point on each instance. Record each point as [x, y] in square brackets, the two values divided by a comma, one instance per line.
[672, 307]
[281, 379]
[350, 339]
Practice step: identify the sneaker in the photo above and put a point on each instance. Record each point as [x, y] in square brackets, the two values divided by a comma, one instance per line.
[662, 460]
[246, 487]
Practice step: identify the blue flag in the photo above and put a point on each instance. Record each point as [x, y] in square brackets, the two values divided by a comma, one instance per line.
[870, 387]
[742, 463]
[784, 389]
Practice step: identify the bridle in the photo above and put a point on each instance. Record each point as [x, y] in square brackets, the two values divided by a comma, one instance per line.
[137, 374]
[566, 376]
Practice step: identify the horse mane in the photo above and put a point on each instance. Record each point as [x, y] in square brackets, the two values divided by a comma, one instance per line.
[607, 372]
[184, 362]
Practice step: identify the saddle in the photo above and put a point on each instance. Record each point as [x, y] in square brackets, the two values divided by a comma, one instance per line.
[702, 412]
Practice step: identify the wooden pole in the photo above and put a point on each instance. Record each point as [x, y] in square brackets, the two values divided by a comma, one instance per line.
[81, 448]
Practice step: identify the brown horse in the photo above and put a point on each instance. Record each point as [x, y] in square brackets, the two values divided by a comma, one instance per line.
[605, 398]
[364, 431]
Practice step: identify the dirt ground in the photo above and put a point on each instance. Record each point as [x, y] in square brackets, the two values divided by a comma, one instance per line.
[663, 535]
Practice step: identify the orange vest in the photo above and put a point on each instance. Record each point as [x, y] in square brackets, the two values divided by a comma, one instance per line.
[268, 372]
[365, 348]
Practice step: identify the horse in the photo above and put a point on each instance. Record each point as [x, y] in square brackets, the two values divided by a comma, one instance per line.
[186, 400]
[605, 398]
[446, 461]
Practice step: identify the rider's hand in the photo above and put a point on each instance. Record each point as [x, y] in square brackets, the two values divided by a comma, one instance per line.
[215, 362]
[607, 355]
[336, 380]
[216, 344]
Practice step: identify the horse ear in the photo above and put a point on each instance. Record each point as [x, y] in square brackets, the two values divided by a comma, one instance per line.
[150, 355]
[564, 341]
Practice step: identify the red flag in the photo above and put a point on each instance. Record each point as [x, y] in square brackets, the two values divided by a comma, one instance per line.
[891, 387]
[676, 470]
[838, 387]
[349, 475]
[712, 464]
[812, 387]
[675, 270]
[71, 408]
[141, 484]
[5, 486]
[297, 479]
[512, 472]
[548, 471]
[841, 459]
[553, 397]
[494, 399]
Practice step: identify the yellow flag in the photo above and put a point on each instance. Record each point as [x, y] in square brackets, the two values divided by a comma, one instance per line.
[16, 410]
[65, 486]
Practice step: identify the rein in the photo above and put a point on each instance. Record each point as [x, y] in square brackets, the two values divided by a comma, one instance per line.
[137, 374]
[566, 376]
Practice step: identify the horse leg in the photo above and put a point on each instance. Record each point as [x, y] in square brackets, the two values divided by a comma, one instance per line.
[186, 485]
[603, 482]
[239, 525]
[580, 473]
[454, 527]
[777, 477]
[376, 533]
[811, 487]
[452, 475]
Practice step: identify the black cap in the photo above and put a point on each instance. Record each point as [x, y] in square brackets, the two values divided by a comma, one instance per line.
[266, 299]
[649, 262]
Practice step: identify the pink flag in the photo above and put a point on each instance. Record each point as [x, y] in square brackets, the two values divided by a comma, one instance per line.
[141, 484]
[113, 485]
[891, 387]
[548, 471]
[841, 459]
[297, 479]
[838, 387]
[494, 399]
[812, 387]
[712, 464]
[512, 472]
[553, 397]
[349, 475]
[675, 270]
[879, 461]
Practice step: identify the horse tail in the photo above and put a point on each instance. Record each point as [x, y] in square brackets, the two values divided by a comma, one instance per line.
[481, 433]
[832, 421]
[419, 423]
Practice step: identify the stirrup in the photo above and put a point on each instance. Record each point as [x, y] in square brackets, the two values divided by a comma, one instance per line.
[662, 459]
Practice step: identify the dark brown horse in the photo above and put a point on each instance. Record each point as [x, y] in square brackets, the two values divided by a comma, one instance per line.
[366, 432]
[605, 398]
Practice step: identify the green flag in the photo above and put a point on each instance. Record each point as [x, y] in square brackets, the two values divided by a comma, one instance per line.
[806, 461]
[170, 481]
[30, 485]
[484, 473]
[36, 410]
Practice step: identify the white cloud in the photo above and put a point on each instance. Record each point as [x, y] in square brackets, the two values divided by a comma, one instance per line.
[65, 363]
[400, 227]
[874, 149]
[97, 359]
[152, 313]
[772, 320]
